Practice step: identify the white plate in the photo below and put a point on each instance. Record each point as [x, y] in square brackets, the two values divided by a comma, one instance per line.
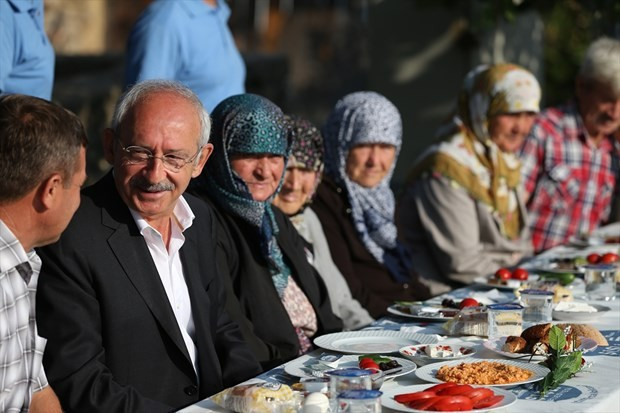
[416, 353]
[429, 372]
[387, 399]
[436, 317]
[495, 345]
[551, 266]
[580, 316]
[296, 367]
[485, 282]
[372, 342]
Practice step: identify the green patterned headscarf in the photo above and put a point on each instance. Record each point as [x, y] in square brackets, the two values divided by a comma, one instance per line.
[247, 124]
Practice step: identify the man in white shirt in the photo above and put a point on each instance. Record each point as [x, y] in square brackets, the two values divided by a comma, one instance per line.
[42, 165]
[142, 326]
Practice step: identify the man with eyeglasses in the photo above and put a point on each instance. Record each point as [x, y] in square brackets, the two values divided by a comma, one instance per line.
[130, 300]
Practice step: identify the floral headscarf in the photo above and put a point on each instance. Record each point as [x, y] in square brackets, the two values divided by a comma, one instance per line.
[306, 147]
[469, 157]
[248, 124]
[361, 118]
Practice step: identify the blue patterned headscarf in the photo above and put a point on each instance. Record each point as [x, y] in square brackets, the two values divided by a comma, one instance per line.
[363, 118]
[247, 124]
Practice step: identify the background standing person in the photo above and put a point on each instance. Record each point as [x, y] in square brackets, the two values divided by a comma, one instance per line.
[355, 204]
[567, 160]
[26, 54]
[129, 298]
[462, 214]
[43, 166]
[188, 41]
[302, 176]
[274, 293]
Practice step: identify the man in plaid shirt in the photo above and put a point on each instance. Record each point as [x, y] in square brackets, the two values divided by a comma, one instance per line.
[570, 159]
[42, 165]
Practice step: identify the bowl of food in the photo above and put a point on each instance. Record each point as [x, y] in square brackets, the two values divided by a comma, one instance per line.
[423, 354]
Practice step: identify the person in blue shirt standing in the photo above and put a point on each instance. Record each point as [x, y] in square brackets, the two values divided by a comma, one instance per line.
[26, 55]
[188, 41]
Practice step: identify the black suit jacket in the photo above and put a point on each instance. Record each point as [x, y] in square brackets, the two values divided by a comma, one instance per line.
[113, 341]
[253, 301]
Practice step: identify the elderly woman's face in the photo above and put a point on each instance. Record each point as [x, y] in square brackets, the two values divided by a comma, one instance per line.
[509, 130]
[368, 164]
[261, 172]
[296, 190]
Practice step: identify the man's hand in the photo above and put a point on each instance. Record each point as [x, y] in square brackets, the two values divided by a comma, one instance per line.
[45, 401]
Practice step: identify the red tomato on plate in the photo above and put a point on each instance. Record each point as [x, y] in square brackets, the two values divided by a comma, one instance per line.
[453, 404]
[520, 274]
[503, 274]
[593, 258]
[368, 363]
[488, 402]
[411, 397]
[468, 302]
[609, 258]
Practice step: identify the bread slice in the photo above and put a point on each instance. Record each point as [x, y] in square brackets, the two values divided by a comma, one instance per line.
[514, 344]
[586, 330]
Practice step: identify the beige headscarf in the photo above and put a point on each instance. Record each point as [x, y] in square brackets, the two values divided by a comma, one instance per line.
[467, 155]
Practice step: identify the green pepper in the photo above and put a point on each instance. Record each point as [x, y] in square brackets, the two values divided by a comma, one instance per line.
[564, 278]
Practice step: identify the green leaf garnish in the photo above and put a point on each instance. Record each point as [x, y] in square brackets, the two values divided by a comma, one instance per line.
[562, 364]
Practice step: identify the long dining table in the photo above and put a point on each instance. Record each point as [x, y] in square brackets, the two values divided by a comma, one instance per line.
[594, 389]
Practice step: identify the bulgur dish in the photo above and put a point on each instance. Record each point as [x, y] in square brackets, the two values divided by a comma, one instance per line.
[483, 372]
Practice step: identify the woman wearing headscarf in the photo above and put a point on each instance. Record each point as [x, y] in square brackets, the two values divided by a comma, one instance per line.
[355, 204]
[462, 213]
[303, 174]
[273, 292]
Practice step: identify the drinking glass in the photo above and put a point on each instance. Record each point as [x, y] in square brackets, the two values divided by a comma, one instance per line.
[359, 401]
[600, 281]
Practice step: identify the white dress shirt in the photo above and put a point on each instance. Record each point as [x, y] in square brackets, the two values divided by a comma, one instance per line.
[170, 268]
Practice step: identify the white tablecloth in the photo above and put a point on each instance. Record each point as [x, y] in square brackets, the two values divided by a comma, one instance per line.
[596, 390]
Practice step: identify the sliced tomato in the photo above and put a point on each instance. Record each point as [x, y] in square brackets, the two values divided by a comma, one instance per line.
[488, 402]
[441, 386]
[409, 397]
[455, 390]
[424, 404]
[479, 393]
[453, 404]
[368, 363]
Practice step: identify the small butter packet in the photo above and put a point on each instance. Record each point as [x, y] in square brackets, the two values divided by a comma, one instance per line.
[329, 359]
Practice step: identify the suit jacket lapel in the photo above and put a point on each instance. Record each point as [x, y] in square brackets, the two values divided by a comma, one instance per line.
[133, 254]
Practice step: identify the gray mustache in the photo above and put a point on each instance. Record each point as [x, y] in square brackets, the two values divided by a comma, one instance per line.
[141, 183]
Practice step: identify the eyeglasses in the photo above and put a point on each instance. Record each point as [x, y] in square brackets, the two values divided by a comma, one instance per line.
[137, 155]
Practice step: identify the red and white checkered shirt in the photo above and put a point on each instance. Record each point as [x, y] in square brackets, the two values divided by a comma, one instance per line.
[21, 349]
[569, 182]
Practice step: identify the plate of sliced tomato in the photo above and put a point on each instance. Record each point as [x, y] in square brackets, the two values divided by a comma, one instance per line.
[446, 397]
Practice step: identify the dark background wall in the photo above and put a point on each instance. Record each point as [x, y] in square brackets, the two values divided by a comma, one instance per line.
[305, 54]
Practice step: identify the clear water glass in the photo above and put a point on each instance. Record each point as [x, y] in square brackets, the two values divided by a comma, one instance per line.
[359, 401]
[600, 281]
[538, 306]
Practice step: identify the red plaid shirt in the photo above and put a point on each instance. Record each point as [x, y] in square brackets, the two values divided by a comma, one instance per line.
[569, 183]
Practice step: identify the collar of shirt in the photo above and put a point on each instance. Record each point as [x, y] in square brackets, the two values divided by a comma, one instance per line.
[182, 213]
[12, 254]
